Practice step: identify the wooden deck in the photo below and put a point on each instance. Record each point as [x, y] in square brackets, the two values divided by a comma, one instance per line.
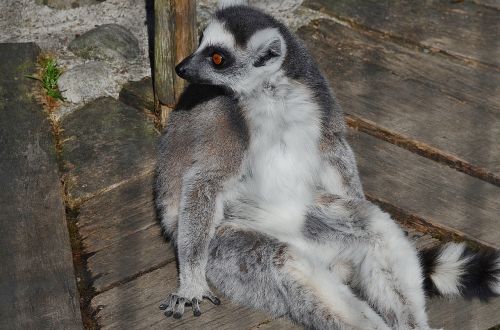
[420, 86]
[37, 284]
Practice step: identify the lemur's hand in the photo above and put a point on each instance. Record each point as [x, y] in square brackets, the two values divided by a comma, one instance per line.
[174, 304]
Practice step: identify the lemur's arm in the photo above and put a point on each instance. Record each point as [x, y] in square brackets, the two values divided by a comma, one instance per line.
[195, 229]
[338, 154]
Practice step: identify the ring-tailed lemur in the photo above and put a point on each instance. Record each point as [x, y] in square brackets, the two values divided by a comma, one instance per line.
[259, 191]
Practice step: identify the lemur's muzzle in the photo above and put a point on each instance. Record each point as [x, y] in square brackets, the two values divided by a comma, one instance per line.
[184, 70]
[189, 69]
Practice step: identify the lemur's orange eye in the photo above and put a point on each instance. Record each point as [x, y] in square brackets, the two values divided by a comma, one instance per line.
[217, 58]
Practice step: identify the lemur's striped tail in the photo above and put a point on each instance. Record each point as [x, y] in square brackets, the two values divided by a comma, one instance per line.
[454, 270]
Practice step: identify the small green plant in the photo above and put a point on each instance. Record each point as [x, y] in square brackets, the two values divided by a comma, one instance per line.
[48, 75]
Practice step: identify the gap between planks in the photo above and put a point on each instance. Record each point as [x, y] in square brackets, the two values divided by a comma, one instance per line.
[77, 203]
[402, 41]
[420, 148]
[438, 231]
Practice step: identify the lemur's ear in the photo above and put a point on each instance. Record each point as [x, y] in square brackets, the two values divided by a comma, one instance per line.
[230, 3]
[267, 46]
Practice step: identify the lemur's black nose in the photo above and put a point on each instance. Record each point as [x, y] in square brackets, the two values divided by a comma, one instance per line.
[180, 69]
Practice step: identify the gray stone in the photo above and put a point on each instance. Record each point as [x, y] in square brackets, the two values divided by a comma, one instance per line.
[105, 143]
[67, 4]
[86, 82]
[106, 42]
[139, 94]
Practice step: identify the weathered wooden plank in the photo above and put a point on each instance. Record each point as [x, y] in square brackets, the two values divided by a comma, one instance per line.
[131, 256]
[423, 188]
[118, 213]
[282, 323]
[489, 3]
[103, 143]
[463, 314]
[440, 108]
[120, 231]
[461, 28]
[134, 305]
[37, 282]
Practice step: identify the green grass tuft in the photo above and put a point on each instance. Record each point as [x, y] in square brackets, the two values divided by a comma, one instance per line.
[48, 76]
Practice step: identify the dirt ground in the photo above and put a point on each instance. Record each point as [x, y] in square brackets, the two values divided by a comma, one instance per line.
[53, 29]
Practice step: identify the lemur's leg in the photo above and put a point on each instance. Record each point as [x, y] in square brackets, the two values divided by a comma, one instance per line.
[339, 175]
[258, 271]
[388, 273]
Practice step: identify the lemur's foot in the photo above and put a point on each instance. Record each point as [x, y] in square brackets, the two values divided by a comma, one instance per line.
[174, 304]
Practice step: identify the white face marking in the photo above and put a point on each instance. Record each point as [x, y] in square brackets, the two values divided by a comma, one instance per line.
[216, 34]
[258, 45]
[262, 39]
[230, 3]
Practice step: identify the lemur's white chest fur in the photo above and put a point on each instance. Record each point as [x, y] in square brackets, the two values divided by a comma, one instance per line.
[279, 172]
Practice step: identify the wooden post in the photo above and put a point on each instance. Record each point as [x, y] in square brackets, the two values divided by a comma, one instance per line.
[185, 36]
[175, 38]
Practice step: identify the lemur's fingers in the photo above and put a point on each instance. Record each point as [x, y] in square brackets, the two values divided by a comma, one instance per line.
[169, 307]
[179, 308]
[165, 302]
[213, 298]
[196, 307]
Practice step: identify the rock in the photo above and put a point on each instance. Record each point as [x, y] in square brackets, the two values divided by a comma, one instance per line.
[105, 143]
[139, 94]
[86, 82]
[106, 42]
[67, 4]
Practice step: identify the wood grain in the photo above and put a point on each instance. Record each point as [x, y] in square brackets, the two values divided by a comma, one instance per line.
[103, 143]
[120, 231]
[186, 36]
[463, 314]
[134, 305]
[459, 28]
[37, 281]
[435, 106]
[164, 52]
[436, 193]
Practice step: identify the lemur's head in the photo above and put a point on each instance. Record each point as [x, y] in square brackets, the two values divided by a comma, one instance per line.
[240, 49]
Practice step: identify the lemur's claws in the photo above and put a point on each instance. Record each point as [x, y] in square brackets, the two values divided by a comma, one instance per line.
[174, 304]
[213, 298]
[169, 304]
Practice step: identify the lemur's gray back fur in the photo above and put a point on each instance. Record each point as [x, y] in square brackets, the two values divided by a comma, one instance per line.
[205, 130]
[259, 108]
